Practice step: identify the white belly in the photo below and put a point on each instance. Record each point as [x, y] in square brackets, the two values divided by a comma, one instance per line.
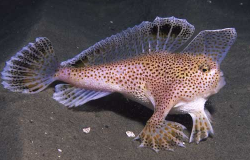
[188, 107]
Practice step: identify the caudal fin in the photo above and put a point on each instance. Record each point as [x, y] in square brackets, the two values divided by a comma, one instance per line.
[32, 69]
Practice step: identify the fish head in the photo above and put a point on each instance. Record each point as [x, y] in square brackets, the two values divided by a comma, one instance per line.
[199, 76]
[205, 54]
[208, 75]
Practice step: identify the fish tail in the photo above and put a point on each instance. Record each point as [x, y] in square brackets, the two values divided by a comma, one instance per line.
[32, 69]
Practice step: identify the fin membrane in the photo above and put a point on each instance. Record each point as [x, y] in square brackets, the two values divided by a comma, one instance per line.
[71, 96]
[163, 34]
[32, 69]
[213, 43]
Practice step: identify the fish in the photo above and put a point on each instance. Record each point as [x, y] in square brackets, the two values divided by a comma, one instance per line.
[144, 63]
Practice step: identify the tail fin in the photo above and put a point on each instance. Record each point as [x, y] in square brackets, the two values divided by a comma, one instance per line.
[32, 69]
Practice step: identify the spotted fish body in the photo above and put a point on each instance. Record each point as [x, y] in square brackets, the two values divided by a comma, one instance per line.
[181, 76]
[140, 63]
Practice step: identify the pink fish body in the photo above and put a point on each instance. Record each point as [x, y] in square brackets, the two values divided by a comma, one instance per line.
[141, 63]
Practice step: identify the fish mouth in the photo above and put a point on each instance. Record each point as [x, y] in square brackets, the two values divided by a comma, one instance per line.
[221, 82]
[221, 74]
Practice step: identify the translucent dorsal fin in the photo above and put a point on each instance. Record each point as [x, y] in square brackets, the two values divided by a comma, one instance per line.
[163, 34]
[213, 43]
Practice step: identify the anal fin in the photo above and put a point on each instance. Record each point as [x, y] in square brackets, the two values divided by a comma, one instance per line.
[71, 96]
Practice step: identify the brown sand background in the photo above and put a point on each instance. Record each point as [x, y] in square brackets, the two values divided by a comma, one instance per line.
[34, 127]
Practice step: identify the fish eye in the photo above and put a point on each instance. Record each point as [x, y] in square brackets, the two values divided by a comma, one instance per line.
[204, 68]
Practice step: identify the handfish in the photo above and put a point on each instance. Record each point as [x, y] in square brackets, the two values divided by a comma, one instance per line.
[142, 63]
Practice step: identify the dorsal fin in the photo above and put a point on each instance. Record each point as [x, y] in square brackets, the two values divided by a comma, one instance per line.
[163, 34]
[213, 43]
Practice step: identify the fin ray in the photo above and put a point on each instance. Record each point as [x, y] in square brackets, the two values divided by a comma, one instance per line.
[32, 69]
[71, 96]
[163, 34]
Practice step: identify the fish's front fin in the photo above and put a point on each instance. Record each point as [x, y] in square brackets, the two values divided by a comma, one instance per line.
[163, 34]
[71, 96]
[213, 43]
